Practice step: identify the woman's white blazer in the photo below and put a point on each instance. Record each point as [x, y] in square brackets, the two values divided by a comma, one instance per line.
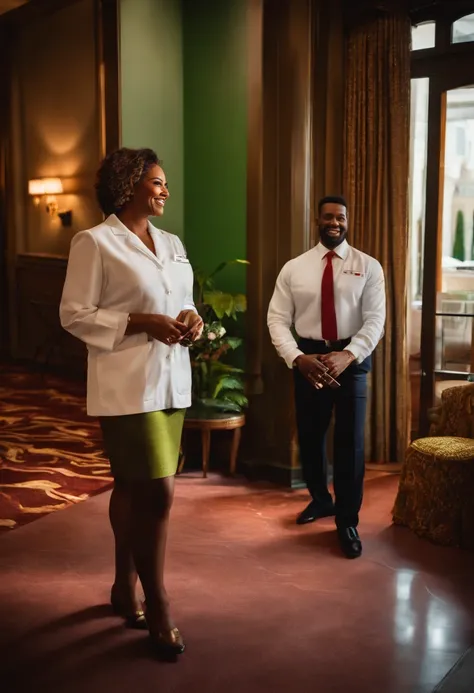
[110, 274]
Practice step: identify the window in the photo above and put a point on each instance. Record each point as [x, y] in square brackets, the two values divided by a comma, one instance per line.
[463, 30]
[455, 298]
[423, 36]
[460, 141]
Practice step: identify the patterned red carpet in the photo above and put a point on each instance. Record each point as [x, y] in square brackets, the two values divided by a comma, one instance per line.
[50, 450]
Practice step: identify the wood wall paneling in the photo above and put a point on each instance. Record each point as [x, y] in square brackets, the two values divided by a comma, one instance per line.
[296, 93]
[41, 339]
[328, 101]
[60, 69]
[4, 153]
[255, 310]
[279, 224]
[108, 74]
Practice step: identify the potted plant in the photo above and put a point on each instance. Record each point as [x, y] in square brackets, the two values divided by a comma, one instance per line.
[217, 385]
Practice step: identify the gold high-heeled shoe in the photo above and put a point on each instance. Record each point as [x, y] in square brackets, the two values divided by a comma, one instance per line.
[169, 643]
[135, 619]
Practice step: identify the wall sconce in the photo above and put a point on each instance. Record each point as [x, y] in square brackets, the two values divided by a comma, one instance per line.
[49, 188]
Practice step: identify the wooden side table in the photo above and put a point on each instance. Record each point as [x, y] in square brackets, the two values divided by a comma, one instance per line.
[214, 421]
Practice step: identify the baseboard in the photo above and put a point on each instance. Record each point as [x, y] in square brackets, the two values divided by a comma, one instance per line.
[389, 467]
[291, 477]
[260, 470]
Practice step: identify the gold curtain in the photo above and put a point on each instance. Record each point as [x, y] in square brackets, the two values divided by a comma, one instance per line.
[376, 169]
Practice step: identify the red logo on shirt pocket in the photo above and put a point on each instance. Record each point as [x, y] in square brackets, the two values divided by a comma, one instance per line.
[354, 273]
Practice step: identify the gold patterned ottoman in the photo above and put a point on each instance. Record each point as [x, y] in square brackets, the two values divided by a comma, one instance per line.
[436, 492]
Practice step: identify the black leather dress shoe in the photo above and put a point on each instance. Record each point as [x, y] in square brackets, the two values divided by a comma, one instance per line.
[350, 542]
[313, 512]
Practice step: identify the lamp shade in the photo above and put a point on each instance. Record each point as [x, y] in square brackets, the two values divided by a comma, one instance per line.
[45, 186]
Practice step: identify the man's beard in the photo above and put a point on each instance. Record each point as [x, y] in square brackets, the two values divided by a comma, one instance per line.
[332, 241]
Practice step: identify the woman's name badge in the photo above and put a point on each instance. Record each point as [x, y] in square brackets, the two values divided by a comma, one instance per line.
[181, 258]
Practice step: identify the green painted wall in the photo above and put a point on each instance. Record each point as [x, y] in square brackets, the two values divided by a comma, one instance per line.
[184, 93]
[215, 134]
[152, 91]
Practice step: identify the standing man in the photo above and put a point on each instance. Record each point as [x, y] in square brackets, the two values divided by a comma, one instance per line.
[334, 295]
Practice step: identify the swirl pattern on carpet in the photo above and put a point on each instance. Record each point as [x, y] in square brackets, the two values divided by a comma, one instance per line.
[51, 452]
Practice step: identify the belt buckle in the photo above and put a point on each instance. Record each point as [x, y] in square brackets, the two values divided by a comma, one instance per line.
[328, 343]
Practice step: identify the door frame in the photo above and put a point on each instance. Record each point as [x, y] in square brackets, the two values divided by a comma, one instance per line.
[448, 66]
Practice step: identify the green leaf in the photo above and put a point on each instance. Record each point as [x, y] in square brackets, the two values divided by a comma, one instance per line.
[225, 264]
[240, 303]
[219, 367]
[221, 303]
[227, 382]
[234, 396]
[204, 377]
[234, 342]
[226, 405]
[199, 276]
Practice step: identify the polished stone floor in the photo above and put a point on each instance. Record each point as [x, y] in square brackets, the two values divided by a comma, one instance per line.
[264, 604]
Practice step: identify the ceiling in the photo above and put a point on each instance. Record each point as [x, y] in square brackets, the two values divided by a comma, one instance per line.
[7, 5]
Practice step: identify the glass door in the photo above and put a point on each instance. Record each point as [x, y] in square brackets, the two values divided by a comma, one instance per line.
[447, 268]
[440, 315]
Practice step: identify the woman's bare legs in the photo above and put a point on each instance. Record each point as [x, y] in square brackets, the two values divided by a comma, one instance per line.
[124, 589]
[151, 503]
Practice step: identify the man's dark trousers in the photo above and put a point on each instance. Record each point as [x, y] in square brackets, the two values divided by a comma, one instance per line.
[314, 409]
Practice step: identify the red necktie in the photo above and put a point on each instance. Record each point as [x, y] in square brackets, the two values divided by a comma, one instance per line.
[328, 309]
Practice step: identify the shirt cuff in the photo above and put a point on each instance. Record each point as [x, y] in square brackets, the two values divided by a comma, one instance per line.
[116, 322]
[355, 351]
[291, 356]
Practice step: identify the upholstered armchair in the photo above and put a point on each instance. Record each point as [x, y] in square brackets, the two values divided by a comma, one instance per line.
[455, 415]
[436, 490]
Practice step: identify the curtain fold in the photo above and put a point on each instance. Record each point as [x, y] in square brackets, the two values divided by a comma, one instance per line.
[376, 170]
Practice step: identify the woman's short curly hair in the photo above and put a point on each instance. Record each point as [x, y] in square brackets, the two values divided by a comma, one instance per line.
[118, 175]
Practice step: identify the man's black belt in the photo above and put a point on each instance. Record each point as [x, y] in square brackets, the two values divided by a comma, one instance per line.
[333, 345]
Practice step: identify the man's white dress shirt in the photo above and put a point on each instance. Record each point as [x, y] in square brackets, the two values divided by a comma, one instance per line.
[359, 295]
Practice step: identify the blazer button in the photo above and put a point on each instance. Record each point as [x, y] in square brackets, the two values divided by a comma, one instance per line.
[168, 291]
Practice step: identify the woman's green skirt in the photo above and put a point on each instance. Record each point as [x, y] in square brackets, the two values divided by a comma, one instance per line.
[143, 446]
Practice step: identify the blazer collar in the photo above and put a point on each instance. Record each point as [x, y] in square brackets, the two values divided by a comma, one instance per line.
[119, 229]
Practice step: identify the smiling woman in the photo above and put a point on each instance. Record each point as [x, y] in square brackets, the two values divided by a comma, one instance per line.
[119, 177]
[129, 296]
